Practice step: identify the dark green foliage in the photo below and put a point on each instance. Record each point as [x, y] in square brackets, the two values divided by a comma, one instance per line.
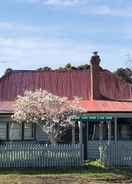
[46, 68]
[125, 74]
[83, 67]
[67, 67]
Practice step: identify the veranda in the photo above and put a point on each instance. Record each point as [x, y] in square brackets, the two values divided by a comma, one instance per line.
[111, 130]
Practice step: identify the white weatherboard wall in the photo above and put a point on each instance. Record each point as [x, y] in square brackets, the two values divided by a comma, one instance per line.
[15, 131]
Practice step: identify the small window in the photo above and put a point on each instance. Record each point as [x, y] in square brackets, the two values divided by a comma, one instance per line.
[3, 130]
[28, 131]
[15, 131]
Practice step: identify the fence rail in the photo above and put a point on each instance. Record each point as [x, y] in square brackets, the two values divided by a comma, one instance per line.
[22, 155]
[117, 154]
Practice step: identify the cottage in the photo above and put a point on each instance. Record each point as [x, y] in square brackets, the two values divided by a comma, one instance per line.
[106, 98]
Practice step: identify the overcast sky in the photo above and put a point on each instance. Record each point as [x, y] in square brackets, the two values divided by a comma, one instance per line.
[38, 33]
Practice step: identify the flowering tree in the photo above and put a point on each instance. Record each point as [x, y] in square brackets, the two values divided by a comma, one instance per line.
[50, 112]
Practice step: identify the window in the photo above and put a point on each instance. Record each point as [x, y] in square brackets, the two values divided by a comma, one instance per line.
[3, 130]
[125, 129]
[15, 131]
[28, 131]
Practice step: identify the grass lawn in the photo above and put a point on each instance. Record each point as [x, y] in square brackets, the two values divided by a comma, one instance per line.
[92, 173]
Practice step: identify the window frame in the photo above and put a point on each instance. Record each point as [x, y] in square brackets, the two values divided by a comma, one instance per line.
[33, 133]
[13, 140]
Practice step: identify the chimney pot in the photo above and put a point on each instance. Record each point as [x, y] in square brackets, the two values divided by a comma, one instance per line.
[95, 60]
[95, 53]
[95, 74]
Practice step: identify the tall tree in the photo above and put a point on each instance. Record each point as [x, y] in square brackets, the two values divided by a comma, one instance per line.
[52, 113]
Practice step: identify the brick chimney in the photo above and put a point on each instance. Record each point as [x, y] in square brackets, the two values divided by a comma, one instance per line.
[94, 74]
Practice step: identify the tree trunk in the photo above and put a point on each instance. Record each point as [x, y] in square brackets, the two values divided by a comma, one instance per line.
[51, 135]
[52, 139]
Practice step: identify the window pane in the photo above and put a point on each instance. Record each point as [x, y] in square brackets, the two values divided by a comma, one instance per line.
[15, 131]
[28, 131]
[124, 128]
[3, 130]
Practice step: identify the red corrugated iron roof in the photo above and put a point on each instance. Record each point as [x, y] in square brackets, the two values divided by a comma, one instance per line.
[62, 83]
[113, 87]
[7, 106]
[88, 105]
[105, 106]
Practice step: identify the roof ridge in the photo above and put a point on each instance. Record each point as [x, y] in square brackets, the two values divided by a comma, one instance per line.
[37, 71]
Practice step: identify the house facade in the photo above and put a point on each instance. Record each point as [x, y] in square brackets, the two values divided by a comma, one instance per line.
[106, 98]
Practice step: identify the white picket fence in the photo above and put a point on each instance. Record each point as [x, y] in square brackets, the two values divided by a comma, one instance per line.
[33, 155]
[116, 154]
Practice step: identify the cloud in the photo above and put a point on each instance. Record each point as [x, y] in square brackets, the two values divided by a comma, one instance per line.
[89, 7]
[53, 2]
[105, 10]
[31, 51]
[24, 53]
[54, 30]
[15, 28]
[62, 2]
